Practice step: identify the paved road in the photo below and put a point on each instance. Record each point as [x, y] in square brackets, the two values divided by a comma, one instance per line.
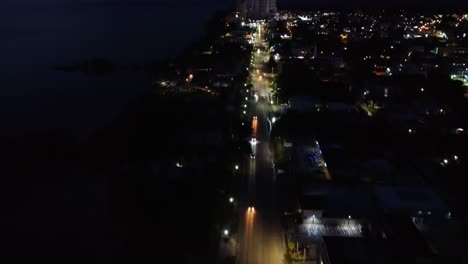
[260, 237]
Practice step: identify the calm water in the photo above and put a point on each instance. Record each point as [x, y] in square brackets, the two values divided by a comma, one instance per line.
[38, 34]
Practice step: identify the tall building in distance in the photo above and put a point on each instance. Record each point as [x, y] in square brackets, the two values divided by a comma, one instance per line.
[256, 9]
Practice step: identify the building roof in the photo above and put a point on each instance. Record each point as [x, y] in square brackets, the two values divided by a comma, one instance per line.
[338, 202]
[404, 235]
[352, 250]
[304, 103]
[407, 198]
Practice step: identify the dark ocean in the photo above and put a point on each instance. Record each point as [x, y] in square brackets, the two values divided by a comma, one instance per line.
[35, 35]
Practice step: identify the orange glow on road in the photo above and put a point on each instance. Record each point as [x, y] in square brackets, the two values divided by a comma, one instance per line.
[248, 236]
[254, 127]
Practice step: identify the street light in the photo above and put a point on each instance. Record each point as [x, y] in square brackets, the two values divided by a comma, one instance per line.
[349, 219]
[226, 232]
[231, 199]
[236, 167]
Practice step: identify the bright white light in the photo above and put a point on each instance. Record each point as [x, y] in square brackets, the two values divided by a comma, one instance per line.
[244, 112]
[246, 98]
[236, 167]
[231, 199]
[226, 232]
[445, 161]
[422, 89]
[349, 217]
[273, 120]
[179, 165]
[455, 157]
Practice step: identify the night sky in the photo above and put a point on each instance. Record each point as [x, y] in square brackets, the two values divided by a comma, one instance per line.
[376, 3]
[283, 3]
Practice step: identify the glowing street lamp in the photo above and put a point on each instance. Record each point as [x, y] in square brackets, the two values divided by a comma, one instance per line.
[226, 232]
[231, 199]
[236, 167]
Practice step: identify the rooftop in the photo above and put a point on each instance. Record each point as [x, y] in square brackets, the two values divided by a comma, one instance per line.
[409, 198]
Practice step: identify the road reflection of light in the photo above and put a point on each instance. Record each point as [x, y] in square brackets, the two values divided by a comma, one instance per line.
[254, 127]
[247, 245]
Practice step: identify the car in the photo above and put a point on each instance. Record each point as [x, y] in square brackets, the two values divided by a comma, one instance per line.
[251, 209]
[254, 140]
[252, 156]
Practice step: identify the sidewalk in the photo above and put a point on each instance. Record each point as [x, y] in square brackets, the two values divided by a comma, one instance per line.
[227, 251]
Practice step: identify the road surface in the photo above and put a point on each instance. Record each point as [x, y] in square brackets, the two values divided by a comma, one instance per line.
[260, 236]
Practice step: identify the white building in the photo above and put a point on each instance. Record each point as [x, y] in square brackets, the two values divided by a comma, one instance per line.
[256, 9]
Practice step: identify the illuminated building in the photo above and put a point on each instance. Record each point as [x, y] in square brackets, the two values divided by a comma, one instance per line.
[256, 9]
